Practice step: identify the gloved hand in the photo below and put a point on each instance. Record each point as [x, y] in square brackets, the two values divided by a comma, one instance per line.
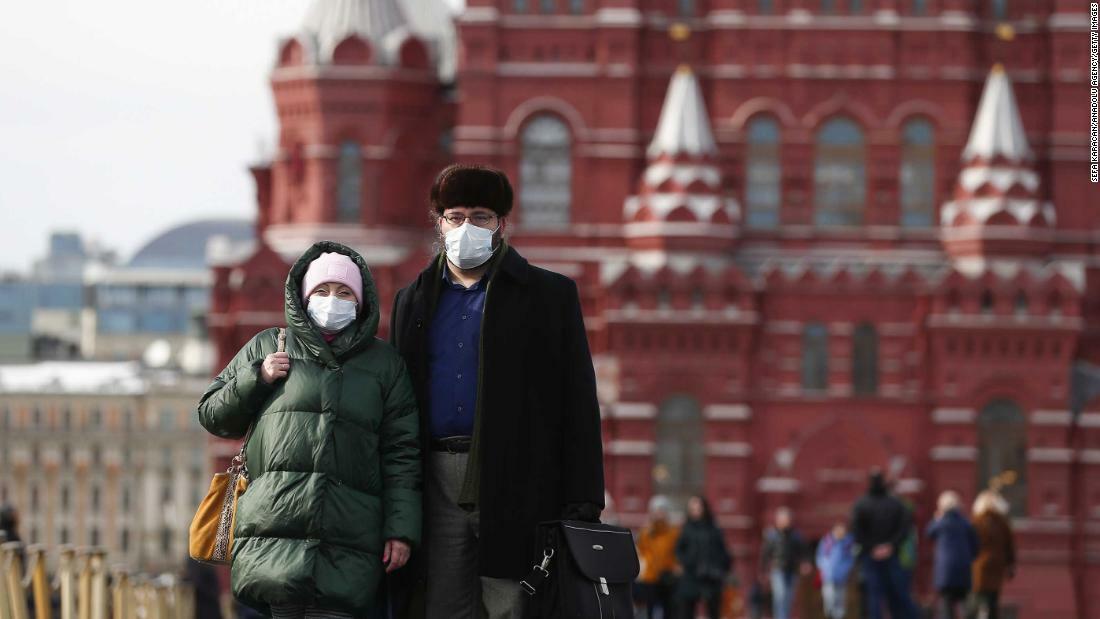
[587, 512]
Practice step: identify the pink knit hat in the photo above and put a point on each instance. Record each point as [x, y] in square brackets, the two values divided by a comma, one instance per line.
[332, 267]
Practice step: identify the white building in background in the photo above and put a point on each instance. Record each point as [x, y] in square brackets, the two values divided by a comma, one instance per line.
[103, 454]
[162, 294]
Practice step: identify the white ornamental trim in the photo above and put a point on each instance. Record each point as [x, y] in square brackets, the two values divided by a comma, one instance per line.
[1051, 418]
[949, 416]
[1089, 456]
[634, 410]
[954, 453]
[728, 449]
[679, 228]
[622, 447]
[618, 17]
[1050, 454]
[479, 14]
[1001, 178]
[1089, 419]
[982, 209]
[727, 412]
[778, 485]
[683, 174]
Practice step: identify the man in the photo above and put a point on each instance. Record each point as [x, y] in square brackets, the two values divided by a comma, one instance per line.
[657, 554]
[782, 557]
[880, 525]
[499, 359]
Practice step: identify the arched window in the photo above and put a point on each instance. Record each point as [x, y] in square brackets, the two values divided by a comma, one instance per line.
[546, 172]
[855, 7]
[349, 183]
[546, 6]
[762, 173]
[919, 7]
[764, 7]
[917, 173]
[678, 467]
[1002, 452]
[865, 360]
[815, 357]
[840, 185]
[685, 8]
[826, 7]
[519, 6]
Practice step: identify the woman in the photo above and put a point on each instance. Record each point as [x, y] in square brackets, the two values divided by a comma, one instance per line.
[996, 550]
[657, 554]
[333, 459]
[956, 547]
[704, 561]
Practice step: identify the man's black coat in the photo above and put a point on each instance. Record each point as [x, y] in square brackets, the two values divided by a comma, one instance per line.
[540, 446]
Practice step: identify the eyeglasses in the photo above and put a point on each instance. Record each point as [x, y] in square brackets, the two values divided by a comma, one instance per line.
[481, 220]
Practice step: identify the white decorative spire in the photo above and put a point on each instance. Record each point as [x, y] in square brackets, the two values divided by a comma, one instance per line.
[997, 210]
[680, 204]
[997, 129]
[433, 20]
[332, 21]
[684, 128]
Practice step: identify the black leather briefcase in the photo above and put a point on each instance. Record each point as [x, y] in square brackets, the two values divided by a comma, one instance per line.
[585, 572]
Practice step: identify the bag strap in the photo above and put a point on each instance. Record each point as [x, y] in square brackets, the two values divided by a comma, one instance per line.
[539, 573]
[240, 459]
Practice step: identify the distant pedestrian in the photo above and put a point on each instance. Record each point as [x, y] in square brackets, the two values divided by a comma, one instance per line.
[9, 523]
[835, 558]
[657, 552]
[996, 551]
[205, 589]
[956, 545]
[880, 525]
[705, 562]
[781, 558]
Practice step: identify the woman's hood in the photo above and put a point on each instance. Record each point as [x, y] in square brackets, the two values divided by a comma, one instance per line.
[354, 337]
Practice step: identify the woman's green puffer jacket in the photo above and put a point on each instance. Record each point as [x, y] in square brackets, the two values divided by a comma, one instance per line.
[334, 458]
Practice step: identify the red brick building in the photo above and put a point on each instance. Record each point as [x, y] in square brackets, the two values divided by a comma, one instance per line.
[840, 234]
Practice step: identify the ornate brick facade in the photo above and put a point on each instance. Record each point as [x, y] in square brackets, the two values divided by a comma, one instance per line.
[836, 237]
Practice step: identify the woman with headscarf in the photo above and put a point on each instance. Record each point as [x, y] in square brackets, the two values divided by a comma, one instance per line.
[704, 561]
[996, 550]
[333, 455]
[956, 545]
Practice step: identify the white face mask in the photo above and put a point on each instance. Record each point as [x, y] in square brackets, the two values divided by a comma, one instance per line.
[468, 246]
[331, 314]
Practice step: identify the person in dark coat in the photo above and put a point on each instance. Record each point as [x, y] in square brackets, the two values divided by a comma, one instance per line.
[781, 558]
[9, 528]
[203, 579]
[956, 545]
[704, 561]
[500, 363]
[996, 560]
[9, 523]
[880, 525]
[334, 496]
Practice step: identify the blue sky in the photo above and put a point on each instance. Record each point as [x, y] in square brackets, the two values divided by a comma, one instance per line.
[119, 118]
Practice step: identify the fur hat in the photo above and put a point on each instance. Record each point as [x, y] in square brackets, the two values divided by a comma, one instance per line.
[472, 185]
